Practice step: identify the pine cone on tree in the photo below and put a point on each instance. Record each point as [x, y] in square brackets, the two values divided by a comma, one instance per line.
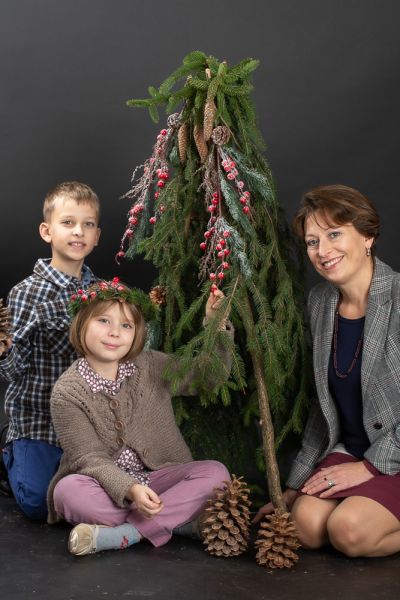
[174, 120]
[158, 294]
[4, 326]
[210, 110]
[277, 541]
[225, 528]
[221, 135]
[182, 141]
[200, 142]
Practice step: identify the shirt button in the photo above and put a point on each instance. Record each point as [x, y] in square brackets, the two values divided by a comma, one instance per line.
[377, 425]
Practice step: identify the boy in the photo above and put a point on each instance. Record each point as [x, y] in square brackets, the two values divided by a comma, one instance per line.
[39, 350]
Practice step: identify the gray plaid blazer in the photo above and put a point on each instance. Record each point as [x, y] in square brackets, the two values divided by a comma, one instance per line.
[380, 377]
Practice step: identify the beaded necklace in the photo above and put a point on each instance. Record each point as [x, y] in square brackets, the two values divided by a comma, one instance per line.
[335, 339]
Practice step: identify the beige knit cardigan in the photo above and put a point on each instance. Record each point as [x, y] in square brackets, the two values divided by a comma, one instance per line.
[93, 428]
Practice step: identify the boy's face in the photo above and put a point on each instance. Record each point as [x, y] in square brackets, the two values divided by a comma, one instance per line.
[73, 232]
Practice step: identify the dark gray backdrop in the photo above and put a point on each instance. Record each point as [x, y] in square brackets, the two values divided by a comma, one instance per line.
[327, 94]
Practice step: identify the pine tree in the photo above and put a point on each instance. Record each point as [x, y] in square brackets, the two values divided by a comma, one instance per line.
[205, 212]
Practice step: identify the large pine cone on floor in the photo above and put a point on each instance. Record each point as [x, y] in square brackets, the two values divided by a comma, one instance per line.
[277, 541]
[225, 527]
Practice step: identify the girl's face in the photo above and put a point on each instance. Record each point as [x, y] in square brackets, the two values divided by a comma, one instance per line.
[109, 336]
[338, 253]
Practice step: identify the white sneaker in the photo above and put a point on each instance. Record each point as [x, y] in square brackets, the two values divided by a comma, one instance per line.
[82, 539]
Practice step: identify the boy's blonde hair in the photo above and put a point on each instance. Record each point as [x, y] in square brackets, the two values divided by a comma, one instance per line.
[74, 190]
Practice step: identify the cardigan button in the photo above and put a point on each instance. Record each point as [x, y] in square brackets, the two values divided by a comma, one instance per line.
[118, 425]
[113, 404]
[145, 453]
[377, 425]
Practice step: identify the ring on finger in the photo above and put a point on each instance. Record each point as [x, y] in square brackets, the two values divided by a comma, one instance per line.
[330, 484]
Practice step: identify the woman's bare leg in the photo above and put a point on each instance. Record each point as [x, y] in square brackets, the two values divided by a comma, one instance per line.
[310, 516]
[362, 527]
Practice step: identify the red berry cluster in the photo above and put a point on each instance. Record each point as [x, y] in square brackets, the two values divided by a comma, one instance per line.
[163, 176]
[232, 174]
[215, 200]
[140, 190]
[133, 219]
[216, 242]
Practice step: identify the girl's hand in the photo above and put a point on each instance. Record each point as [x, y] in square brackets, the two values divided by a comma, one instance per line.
[213, 303]
[330, 480]
[146, 500]
[289, 496]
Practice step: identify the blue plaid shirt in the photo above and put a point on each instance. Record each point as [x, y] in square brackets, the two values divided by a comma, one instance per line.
[41, 351]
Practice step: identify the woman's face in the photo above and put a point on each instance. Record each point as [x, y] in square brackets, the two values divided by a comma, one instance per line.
[338, 253]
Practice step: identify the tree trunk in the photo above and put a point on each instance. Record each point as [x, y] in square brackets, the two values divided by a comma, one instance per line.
[267, 428]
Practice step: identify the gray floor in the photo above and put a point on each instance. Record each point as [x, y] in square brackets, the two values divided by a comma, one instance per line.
[36, 564]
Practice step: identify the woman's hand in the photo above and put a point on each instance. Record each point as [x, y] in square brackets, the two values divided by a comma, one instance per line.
[146, 500]
[334, 479]
[213, 303]
[289, 496]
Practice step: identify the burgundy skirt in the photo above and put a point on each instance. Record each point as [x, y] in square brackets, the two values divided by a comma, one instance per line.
[384, 489]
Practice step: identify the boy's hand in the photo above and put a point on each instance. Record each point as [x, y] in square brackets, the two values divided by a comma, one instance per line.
[146, 500]
[5, 343]
[5, 339]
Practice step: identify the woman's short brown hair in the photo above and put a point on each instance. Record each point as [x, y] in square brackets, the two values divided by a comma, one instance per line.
[338, 205]
[77, 332]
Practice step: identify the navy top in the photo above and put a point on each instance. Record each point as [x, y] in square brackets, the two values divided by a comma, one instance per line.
[347, 392]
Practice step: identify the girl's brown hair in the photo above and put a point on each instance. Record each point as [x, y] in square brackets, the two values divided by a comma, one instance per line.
[77, 332]
[339, 205]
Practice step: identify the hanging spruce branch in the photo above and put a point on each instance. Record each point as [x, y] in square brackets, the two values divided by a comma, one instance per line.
[204, 210]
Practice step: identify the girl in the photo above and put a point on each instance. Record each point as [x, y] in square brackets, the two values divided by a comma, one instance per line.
[126, 472]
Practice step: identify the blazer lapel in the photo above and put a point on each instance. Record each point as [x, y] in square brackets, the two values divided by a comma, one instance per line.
[323, 346]
[376, 321]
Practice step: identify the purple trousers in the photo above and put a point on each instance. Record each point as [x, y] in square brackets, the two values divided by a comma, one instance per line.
[184, 490]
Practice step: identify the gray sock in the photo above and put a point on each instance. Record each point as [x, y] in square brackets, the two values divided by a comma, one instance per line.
[190, 530]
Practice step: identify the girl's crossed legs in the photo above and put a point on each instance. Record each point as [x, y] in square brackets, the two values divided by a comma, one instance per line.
[184, 490]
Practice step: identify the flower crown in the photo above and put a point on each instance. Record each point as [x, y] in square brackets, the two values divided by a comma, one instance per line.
[103, 290]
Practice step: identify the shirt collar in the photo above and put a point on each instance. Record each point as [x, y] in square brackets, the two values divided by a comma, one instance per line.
[60, 279]
[97, 383]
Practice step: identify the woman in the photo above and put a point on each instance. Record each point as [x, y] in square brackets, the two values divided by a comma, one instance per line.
[344, 485]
